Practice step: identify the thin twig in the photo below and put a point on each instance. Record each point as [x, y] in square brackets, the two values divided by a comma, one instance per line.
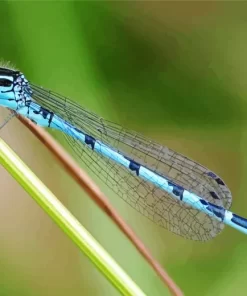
[101, 200]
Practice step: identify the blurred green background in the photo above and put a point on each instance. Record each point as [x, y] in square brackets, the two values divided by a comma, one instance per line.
[176, 72]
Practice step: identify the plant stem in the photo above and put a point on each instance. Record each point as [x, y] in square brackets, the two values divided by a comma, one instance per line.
[69, 224]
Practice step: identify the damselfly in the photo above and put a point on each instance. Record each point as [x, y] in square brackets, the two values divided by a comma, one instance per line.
[163, 185]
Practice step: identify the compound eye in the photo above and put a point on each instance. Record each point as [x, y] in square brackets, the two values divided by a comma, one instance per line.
[5, 82]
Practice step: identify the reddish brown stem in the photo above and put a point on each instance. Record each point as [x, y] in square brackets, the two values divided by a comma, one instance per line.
[101, 200]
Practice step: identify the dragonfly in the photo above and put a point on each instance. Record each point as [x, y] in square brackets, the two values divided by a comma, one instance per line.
[168, 188]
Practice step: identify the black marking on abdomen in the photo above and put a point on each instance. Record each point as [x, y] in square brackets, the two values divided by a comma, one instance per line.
[44, 112]
[239, 220]
[216, 210]
[50, 119]
[214, 195]
[133, 166]
[89, 141]
[177, 190]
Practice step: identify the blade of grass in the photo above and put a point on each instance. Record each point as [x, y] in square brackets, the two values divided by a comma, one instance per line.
[85, 182]
[67, 222]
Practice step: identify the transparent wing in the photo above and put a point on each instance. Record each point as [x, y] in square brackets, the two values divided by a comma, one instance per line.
[152, 202]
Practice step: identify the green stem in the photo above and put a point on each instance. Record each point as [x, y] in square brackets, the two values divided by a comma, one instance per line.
[69, 224]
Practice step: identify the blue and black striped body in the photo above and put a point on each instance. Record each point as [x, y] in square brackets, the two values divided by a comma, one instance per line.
[17, 95]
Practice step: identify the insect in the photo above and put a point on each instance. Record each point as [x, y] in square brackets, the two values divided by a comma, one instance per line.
[170, 189]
